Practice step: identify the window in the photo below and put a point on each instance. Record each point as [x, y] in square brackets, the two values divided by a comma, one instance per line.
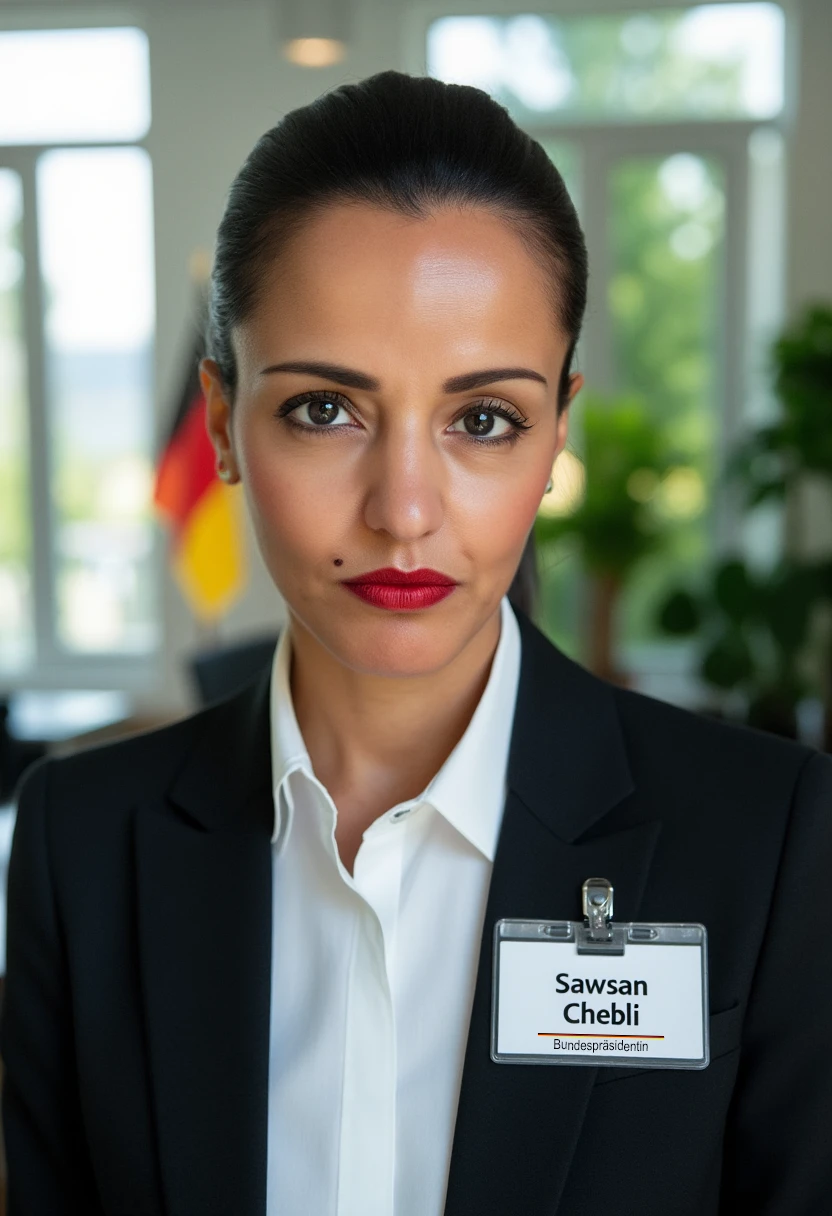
[77, 568]
[664, 125]
[16, 634]
[665, 228]
[710, 61]
[73, 86]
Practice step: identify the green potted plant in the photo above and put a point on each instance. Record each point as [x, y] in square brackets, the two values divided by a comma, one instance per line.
[612, 514]
[762, 633]
[776, 457]
[755, 631]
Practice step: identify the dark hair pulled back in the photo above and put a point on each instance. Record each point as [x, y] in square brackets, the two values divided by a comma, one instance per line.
[407, 143]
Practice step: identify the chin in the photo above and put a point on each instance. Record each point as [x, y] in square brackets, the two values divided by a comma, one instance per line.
[396, 645]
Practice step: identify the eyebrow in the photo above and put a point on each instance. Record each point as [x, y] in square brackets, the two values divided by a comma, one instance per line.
[360, 380]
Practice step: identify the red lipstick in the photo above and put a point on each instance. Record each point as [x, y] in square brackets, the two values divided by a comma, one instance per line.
[401, 590]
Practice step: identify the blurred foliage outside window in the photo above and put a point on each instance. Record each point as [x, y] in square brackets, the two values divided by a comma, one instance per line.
[664, 297]
[657, 256]
[708, 61]
[665, 220]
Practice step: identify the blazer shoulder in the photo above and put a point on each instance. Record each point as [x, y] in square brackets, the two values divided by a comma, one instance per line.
[132, 767]
[703, 750]
[657, 736]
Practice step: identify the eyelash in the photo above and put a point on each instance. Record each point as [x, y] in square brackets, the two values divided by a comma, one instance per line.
[488, 405]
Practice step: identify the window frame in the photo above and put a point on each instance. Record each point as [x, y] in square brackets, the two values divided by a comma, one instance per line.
[55, 666]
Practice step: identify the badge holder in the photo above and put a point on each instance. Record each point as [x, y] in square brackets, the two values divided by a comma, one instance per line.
[593, 992]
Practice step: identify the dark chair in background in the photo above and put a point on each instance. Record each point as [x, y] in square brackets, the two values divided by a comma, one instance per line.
[222, 670]
[15, 755]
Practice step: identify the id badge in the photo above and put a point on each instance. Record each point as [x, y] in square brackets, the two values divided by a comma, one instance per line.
[594, 992]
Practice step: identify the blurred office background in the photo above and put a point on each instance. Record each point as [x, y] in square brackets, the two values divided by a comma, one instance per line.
[687, 546]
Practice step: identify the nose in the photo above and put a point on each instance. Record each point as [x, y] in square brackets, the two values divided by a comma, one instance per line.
[405, 491]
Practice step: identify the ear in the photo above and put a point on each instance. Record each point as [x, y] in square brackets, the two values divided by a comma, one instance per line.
[218, 417]
[576, 383]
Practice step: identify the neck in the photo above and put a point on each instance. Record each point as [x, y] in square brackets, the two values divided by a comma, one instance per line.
[376, 741]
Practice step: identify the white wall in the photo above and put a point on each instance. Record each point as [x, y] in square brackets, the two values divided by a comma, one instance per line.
[810, 157]
[809, 247]
[218, 82]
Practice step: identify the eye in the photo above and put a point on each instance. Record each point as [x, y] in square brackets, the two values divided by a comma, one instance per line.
[489, 422]
[320, 410]
[483, 422]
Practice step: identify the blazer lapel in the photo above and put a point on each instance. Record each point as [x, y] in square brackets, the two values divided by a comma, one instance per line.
[518, 1125]
[204, 936]
[203, 876]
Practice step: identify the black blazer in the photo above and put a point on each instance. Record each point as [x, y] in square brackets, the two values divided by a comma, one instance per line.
[135, 1032]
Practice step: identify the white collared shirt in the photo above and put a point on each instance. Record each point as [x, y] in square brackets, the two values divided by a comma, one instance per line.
[373, 974]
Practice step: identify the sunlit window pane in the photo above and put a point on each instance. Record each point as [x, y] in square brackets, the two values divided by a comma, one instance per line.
[68, 86]
[16, 635]
[708, 61]
[95, 227]
[666, 219]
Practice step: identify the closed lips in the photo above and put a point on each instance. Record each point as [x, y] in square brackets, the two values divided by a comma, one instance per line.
[401, 590]
[392, 577]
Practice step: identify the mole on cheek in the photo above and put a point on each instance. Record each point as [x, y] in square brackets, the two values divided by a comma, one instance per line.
[338, 562]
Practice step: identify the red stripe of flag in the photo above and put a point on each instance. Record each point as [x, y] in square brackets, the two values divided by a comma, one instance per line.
[187, 466]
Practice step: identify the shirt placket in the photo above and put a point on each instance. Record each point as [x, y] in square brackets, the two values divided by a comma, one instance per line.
[368, 1113]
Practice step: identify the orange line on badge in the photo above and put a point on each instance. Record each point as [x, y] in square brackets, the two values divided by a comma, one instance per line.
[565, 1034]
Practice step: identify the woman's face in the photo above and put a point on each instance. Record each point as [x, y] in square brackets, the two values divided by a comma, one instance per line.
[396, 409]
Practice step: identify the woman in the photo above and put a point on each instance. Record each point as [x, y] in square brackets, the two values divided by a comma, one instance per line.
[249, 956]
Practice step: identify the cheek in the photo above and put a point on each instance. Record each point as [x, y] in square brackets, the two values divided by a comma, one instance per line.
[494, 515]
[292, 505]
[500, 532]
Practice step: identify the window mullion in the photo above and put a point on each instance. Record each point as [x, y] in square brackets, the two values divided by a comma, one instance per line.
[40, 455]
[598, 343]
[732, 335]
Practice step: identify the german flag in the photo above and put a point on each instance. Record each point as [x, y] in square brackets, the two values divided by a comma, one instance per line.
[203, 513]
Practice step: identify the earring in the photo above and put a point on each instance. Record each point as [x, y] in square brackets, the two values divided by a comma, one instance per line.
[550, 485]
[222, 470]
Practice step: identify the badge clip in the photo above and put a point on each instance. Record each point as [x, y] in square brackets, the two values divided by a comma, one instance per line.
[598, 935]
[561, 996]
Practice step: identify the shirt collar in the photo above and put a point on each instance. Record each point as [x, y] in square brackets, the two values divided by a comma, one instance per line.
[469, 789]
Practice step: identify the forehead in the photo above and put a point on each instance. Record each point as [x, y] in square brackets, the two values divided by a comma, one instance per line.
[365, 284]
